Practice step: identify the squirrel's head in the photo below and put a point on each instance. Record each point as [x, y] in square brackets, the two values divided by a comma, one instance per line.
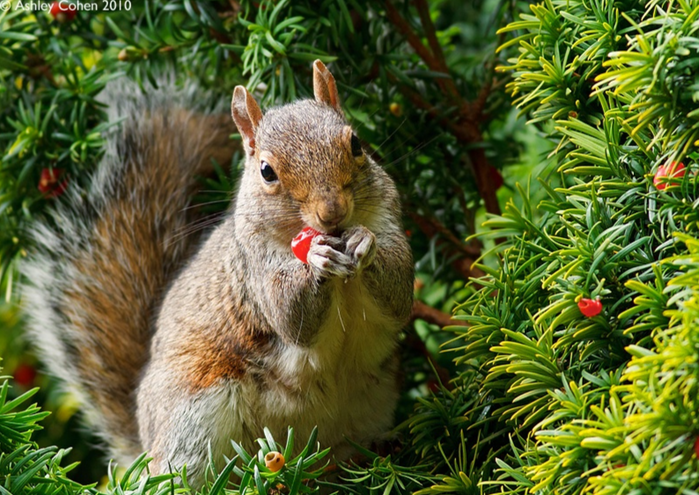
[304, 155]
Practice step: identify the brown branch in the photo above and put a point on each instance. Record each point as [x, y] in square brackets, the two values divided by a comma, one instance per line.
[431, 227]
[38, 67]
[431, 35]
[476, 108]
[446, 84]
[422, 311]
[235, 7]
[484, 173]
[427, 24]
[463, 262]
[220, 37]
[465, 127]
[418, 101]
[412, 38]
[468, 133]
[465, 266]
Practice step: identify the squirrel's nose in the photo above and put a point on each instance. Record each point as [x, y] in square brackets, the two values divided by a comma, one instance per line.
[329, 221]
[330, 215]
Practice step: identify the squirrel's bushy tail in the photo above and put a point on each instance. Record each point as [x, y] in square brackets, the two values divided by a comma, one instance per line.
[105, 256]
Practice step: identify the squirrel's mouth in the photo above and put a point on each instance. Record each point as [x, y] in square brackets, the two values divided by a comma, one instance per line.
[332, 228]
[334, 232]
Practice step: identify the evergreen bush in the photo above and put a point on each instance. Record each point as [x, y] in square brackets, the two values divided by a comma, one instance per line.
[603, 404]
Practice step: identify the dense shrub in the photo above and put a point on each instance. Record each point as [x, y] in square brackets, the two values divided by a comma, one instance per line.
[604, 404]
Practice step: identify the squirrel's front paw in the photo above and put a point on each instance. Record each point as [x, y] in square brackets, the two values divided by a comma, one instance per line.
[326, 256]
[360, 246]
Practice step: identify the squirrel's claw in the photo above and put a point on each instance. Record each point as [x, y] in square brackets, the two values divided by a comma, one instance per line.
[360, 246]
[344, 256]
[328, 261]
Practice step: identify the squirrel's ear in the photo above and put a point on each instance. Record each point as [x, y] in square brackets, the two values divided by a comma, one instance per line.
[324, 87]
[247, 116]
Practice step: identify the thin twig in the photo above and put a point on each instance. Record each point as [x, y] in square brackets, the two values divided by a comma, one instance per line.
[431, 227]
[446, 84]
[412, 38]
[424, 11]
[422, 311]
[431, 34]
[462, 262]
[468, 133]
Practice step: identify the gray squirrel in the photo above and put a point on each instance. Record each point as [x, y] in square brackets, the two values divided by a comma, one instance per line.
[174, 343]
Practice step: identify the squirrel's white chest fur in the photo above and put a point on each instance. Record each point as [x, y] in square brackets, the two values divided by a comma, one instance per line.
[344, 383]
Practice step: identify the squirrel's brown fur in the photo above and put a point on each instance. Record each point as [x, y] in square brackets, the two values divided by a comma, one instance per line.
[100, 270]
[242, 334]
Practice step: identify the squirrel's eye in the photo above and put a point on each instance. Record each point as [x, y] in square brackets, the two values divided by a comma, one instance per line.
[267, 172]
[356, 146]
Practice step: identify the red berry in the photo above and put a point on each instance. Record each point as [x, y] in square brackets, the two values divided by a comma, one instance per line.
[302, 243]
[24, 375]
[590, 307]
[48, 183]
[495, 178]
[62, 12]
[696, 447]
[672, 170]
